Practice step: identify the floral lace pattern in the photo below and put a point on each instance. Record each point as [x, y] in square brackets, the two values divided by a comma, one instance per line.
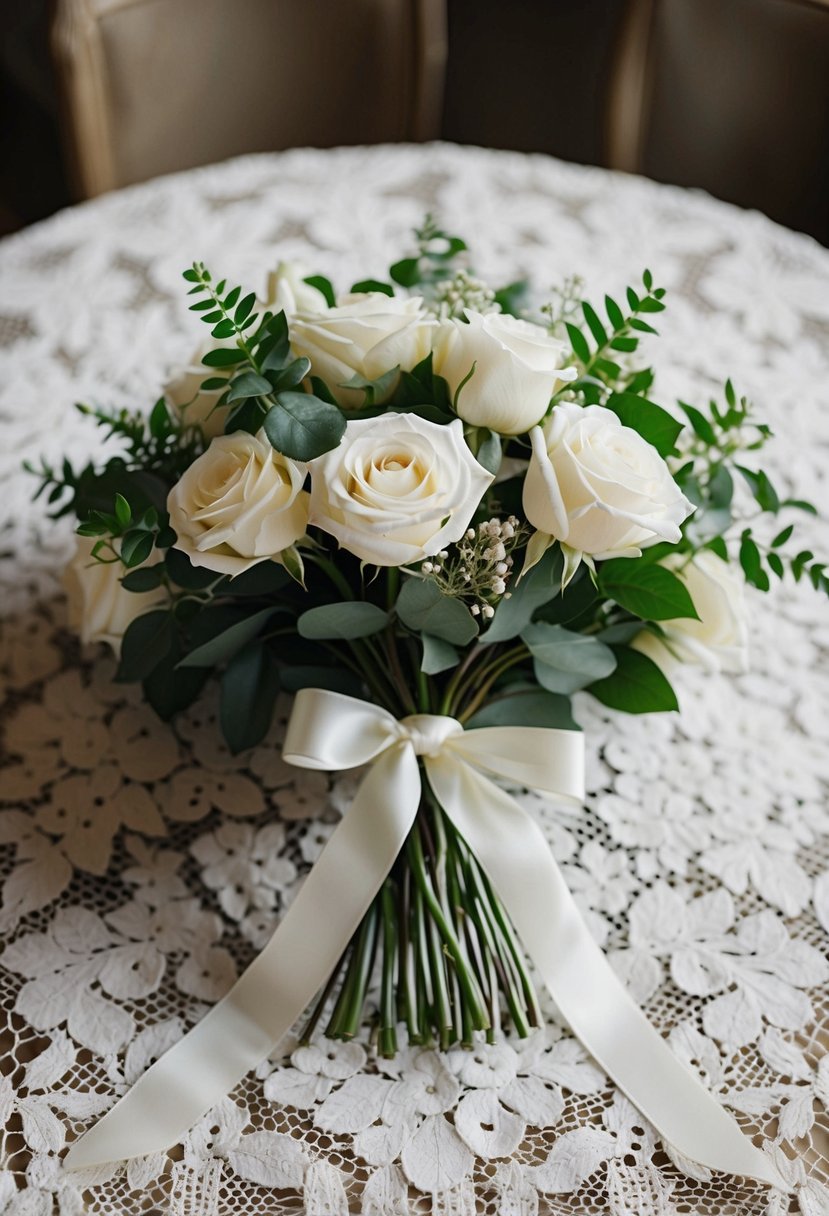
[141, 868]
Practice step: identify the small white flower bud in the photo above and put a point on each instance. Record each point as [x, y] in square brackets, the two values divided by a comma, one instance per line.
[475, 610]
[502, 567]
[488, 612]
[470, 533]
[427, 568]
[498, 586]
[507, 530]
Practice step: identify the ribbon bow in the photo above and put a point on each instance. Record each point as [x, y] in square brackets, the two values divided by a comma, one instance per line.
[330, 731]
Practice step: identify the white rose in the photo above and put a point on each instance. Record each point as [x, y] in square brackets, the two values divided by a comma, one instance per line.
[718, 641]
[288, 291]
[368, 334]
[598, 487]
[240, 503]
[100, 609]
[397, 489]
[518, 367]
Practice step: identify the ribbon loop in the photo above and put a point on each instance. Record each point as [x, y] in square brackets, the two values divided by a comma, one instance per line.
[330, 731]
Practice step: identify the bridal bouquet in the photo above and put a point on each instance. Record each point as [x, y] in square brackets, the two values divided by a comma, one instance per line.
[423, 496]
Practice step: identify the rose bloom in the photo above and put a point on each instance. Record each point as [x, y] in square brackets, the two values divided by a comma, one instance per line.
[718, 641]
[100, 608]
[367, 334]
[397, 489]
[288, 292]
[599, 487]
[518, 367]
[240, 503]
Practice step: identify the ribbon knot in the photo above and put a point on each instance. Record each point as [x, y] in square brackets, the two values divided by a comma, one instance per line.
[427, 733]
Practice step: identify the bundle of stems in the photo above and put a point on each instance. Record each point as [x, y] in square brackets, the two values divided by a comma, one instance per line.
[448, 958]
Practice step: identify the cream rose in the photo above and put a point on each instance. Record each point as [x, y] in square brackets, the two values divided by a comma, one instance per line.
[718, 641]
[598, 487]
[397, 489]
[518, 367]
[100, 609]
[288, 291]
[240, 503]
[368, 334]
[185, 393]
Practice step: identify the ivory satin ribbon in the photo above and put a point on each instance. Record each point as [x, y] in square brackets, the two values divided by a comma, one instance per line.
[330, 731]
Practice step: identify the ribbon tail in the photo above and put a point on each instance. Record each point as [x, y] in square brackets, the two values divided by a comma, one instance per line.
[263, 1005]
[601, 1013]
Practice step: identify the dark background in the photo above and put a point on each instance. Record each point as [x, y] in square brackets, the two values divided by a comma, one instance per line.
[739, 102]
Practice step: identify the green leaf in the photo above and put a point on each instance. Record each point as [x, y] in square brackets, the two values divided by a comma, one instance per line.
[513, 298]
[350, 619]
[366, 285]
[782, 537]
[752, 563]
[652, 422]
[405, 272]
[530, 591]
[169, 690]
[159, 420]
[145, 643]
[265, 578]
[490, 451]
[423, 608]
[249, 689]
[228, 643]
[646, 589]
[224, 329]
[123, 510]
[438, 655]
[244, 309]
[302, 426]
[578, 342]
[566, 661]
[527, 707]
[594, 324]
[637, 686]
[775, 562]
[223, 356]
[702, 428]
[324, 285]
[291, 375]
[614, 314]
[186, 575]
[764, 492]
[136, 547]
[147, 578]
[248, 384]
[375, 390]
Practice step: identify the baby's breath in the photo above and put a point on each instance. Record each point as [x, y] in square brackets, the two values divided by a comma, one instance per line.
[462, 291]
[479, 567]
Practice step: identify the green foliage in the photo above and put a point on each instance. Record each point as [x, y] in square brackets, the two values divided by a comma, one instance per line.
[653, 423]
[529, 592]
[352, 619]
[438, 655]
[230, 641]
[565, 661]
[637, 686]
[645, 589]
[423, 608]
[619, 334]
[435, 260]
[249, 688]
[525, 707]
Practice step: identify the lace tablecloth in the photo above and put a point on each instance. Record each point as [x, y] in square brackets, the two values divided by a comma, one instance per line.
[142, 868]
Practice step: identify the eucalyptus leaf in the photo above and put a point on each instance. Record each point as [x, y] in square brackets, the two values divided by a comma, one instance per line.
[438, 655]
[351, 619]
[527, 707]
[424, 608]
[529, 592]
[302, 426]
[566, 661]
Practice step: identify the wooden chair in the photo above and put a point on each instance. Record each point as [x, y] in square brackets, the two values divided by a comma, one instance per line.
[729, 95]
[152, 86]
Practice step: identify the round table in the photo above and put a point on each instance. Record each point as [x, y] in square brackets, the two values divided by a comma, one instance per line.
[143, 867]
